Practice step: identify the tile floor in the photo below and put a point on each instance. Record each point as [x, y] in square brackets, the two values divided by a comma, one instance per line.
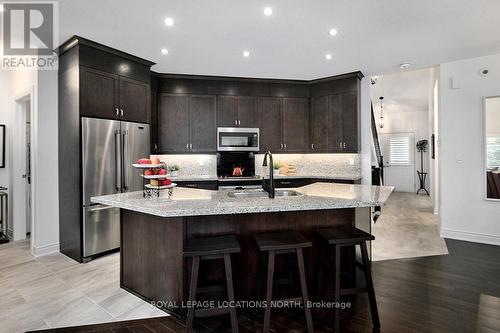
[55, 291]
[407, 228]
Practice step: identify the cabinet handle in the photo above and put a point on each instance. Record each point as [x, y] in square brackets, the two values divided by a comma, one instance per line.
[312, 146]
[344, 145]
[236, 122]
[284, 145]
[156, 146]
[281, 146]
[117, 112]
[340, 145]
[121, 112]
[187, 145]
[285, 183]
[190, 146]
[239, 122]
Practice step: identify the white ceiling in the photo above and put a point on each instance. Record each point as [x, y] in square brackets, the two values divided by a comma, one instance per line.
[407, 91]
[208, 36]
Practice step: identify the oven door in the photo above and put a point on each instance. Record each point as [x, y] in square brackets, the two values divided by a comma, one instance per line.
[237, 139]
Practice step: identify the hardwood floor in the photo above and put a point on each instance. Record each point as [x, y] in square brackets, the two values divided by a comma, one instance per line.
[459, 292]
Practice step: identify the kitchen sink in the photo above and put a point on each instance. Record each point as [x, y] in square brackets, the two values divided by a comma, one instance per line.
[263, 194]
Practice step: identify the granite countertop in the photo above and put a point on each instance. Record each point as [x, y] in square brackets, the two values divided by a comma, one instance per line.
[296, 176]
[196, 202]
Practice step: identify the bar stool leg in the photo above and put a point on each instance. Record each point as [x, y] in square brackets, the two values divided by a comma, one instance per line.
[303, 286]
[369, 286]
[230, 293]
[192, 294]
[337, 290]
[269, 292]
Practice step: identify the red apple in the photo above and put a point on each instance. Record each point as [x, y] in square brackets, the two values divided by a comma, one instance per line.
[144, 161]
[162, 172]
[166, 182]
[148, 172]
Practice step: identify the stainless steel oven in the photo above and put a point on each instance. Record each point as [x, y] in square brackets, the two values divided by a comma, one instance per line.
[237, 139]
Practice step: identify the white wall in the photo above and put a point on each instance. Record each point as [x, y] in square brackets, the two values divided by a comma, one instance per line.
[5, 119]
[42, 85]
[465, 214]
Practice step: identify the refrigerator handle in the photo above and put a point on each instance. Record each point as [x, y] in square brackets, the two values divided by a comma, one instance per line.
[126, 159]
[118, 164]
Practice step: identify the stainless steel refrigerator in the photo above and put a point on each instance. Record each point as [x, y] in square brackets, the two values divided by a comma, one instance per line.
[109, 147]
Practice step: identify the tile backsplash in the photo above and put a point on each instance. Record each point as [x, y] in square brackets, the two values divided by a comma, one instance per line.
[192, 165]
[338, 165]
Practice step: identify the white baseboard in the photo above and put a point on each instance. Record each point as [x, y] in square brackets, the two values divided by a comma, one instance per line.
[46, 249]
[470, 236]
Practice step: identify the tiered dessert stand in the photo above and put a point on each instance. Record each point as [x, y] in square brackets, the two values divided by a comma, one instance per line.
[149, 190]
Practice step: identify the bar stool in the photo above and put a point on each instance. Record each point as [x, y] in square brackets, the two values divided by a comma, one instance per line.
[284, 243]
[350, 236]
[211, 248]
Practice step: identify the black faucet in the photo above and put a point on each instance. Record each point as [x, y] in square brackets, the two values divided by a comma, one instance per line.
[269, 188]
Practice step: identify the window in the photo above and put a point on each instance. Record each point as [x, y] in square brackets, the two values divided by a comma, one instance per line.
[399, 150]
[493, 151]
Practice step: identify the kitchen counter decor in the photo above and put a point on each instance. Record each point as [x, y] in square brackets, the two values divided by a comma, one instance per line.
[156, 173]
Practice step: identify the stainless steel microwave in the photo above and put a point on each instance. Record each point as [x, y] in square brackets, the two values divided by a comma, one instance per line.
[237, 139]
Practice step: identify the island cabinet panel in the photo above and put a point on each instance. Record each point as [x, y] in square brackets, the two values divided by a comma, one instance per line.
[319, 124]
[151, 257]
[173, 123]
[135, 100]
[295, 120]
[202, 123]
[245, 226]
[269, 113]
[99, 93]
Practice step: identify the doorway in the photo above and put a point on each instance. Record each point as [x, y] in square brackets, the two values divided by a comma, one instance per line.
[21, 153]
[399, 160]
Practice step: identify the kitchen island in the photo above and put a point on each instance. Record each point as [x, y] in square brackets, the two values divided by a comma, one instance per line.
[153, 231]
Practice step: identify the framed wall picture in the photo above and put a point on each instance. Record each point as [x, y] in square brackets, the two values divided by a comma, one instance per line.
[2, 146]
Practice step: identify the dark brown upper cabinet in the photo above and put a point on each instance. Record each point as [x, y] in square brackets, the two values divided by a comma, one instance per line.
[135, 100]
[269, 114]
[236, 111]
[111, 96]
[295, 120]
[99, 93]
[284, 124]
[186, 123]
[350, 122]
[319, 119]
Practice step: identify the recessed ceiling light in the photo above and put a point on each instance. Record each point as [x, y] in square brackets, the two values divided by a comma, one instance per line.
[333, 32]
[164, 51]
[328, 56]
[246, 54]
[405, 65]
[268, 11]
[169, 21]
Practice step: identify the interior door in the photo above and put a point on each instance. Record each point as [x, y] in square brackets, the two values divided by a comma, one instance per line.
[135, 140]
[399, 160]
